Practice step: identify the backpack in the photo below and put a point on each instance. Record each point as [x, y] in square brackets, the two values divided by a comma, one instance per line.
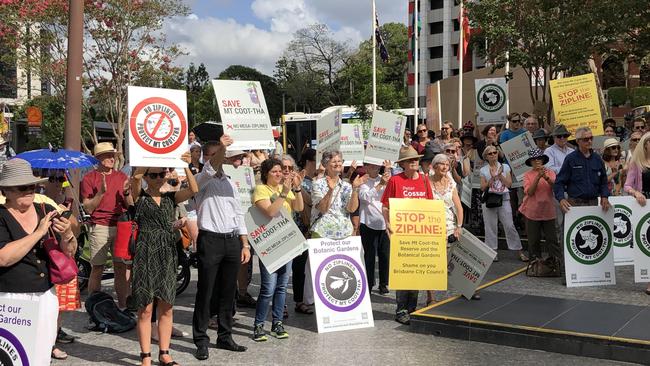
[108, 318]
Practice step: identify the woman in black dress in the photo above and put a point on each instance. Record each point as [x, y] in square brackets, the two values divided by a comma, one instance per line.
[155, 260]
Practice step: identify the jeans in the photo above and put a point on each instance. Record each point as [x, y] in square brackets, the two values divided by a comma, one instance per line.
[274, 286]
[375, 241]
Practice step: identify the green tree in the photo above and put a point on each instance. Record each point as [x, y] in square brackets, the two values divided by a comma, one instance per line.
[196, 81]
[304, 91]
[272, 92]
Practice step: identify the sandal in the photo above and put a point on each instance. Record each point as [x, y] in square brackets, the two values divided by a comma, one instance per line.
[144, 355]
[302, 308]
[57, 354]
[523, 257]
[162, 363]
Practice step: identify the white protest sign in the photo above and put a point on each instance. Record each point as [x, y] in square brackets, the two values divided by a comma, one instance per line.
[516, 152]
[244, 179]
[466, 192]
[157, 127]
[588, 253]
[352, 144]
[623, 229]
[328, 134]
[244, 114]
[641, 220]
[340, 284]
[18, 332]
[491, 97]
[276, 241]
[385, 137]
[469, 261]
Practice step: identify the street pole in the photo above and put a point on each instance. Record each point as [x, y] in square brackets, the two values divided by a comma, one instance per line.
[416, 110]
[461, 50]
[72, 135]
[374, 57]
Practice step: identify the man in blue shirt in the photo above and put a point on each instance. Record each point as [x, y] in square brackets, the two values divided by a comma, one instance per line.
[582, 176]
[514, 128]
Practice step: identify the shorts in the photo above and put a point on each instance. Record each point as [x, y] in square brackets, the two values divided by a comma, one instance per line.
[101, 241]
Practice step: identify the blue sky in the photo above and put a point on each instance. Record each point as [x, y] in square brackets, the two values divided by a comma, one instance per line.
[255, 33]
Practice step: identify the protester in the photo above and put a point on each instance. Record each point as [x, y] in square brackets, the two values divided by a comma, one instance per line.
[425, 162]
[490, 138]
[422, 138]
[222, 246]
[541, 138]
[408, 184]
[635, 137]
[302, 219]
[6, 151]
[278, 151]
[407, 137]
[637, 184]
[582, 177]
[192, 140]
[24, 263]
[639, 125]
[445, 135]
[105, 196]
[610, 131]
[514, 128]
[531, 124]
[496, 181]
[373, 227]
[613, 165]
[540, 216]
[457, 169]
[468, 149]
[277, 191]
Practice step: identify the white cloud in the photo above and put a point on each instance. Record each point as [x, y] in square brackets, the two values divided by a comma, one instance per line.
[219, 43]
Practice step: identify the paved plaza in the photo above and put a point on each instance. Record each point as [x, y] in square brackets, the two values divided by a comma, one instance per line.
[388, 343]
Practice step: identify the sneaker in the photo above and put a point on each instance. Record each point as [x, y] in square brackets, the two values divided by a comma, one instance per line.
[259, 335]
[246, 301]
[403, 317]
[277, 330]
[63, 337]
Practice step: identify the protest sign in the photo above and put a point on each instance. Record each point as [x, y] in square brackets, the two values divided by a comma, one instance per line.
[418, 245]
[276, 241]
[157, 127]
[623, 229]
[641, 219]
[466, 192]
[516, 152]
[576, 103]
[475, 177]
[385, 137]
[18, 332]
[588, 254]
[328, 133]
[342, 295]
[491, 97]
[244, 179]
[244, 114]
[469, 261]
[352, 144]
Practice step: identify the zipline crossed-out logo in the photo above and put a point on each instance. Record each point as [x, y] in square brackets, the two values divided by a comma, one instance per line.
[12, 352]
[491, 97]
[589, 240]
[341, 283]
[158, 125]
[642, 234]
[622, 226]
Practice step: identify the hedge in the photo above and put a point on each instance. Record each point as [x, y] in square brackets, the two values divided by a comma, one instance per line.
[617, 95]
[640, 96]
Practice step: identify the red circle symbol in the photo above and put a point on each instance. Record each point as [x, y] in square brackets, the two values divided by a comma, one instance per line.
[158, 126]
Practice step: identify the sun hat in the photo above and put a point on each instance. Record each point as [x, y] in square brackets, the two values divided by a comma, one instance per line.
[103, 148]
[430, 151]
[560, 130]
[3, 141]
[233, 153]
[18, 172]
[469, 135]
[536, 153]
[407, 153]
[610, 142]
[540, 134]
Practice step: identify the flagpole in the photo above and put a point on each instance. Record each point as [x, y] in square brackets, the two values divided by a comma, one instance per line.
[416, 35]
[374, 57]
[461, 49]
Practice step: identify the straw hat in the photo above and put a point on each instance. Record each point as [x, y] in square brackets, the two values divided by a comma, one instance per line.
[103, 148]
[18, 172]
[233, 153]
[610, 142]
[407, 153]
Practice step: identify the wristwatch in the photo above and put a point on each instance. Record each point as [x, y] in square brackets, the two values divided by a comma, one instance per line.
[283, 195]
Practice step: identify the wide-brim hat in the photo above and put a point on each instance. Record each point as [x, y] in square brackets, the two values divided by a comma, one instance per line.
[469, 136]
[233, 153]
[540, 134]
[3, 141]
[536, 154]
[18, 172]
[407, 153]
[610, 142]
[560, 130]
[103, 148]
[430, 152]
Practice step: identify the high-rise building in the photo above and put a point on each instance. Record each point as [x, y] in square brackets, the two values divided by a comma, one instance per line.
[439, 37]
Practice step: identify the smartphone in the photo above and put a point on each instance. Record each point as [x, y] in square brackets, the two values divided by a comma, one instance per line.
[65, 214]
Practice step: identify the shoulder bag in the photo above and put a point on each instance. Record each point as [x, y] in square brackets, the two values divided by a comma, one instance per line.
[62, 268]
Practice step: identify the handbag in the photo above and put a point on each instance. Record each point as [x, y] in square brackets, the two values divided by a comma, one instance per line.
[493, 200]
[126, 233]
[62, 268]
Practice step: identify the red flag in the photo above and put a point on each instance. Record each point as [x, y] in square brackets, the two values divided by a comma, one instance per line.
[464, 48]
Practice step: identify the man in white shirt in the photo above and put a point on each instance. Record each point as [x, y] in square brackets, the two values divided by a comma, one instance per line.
[222, 246]
[373, 226]
[559, 150]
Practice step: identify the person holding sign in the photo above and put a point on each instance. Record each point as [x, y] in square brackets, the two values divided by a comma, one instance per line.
[408, 184]
[495, 183]
[637, 183]
[277, 191]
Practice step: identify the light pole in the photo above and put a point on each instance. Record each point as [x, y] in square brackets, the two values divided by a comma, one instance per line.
[72, 137]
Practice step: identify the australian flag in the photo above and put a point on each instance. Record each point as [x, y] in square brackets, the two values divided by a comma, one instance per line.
[383, 51]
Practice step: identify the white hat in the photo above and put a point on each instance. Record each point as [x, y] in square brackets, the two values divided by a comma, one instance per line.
[18, 172]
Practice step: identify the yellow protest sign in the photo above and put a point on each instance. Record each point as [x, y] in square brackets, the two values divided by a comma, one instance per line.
[576, 103]
[418, 245]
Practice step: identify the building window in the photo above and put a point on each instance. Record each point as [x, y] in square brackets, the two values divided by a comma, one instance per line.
[454, 72]
[8, 85]
[455, 48]
[456, 25]
[435, 52]
[435, 76]
[437, 4]
[436, 28]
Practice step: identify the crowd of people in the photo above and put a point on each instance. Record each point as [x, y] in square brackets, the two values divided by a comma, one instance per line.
[326, 201]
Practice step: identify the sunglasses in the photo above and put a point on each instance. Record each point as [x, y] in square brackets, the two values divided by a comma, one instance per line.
[563, 136]
[173, 182]
[422, 131]
[615, 147]
[287, 167]
[444, 128]
[160, 175]
[585, 139]
[31, 187]
[638, 127]
[449, 151]
[635, 140]
[492, 153]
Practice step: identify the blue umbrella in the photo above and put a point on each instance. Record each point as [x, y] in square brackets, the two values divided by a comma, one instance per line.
[58, 159]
